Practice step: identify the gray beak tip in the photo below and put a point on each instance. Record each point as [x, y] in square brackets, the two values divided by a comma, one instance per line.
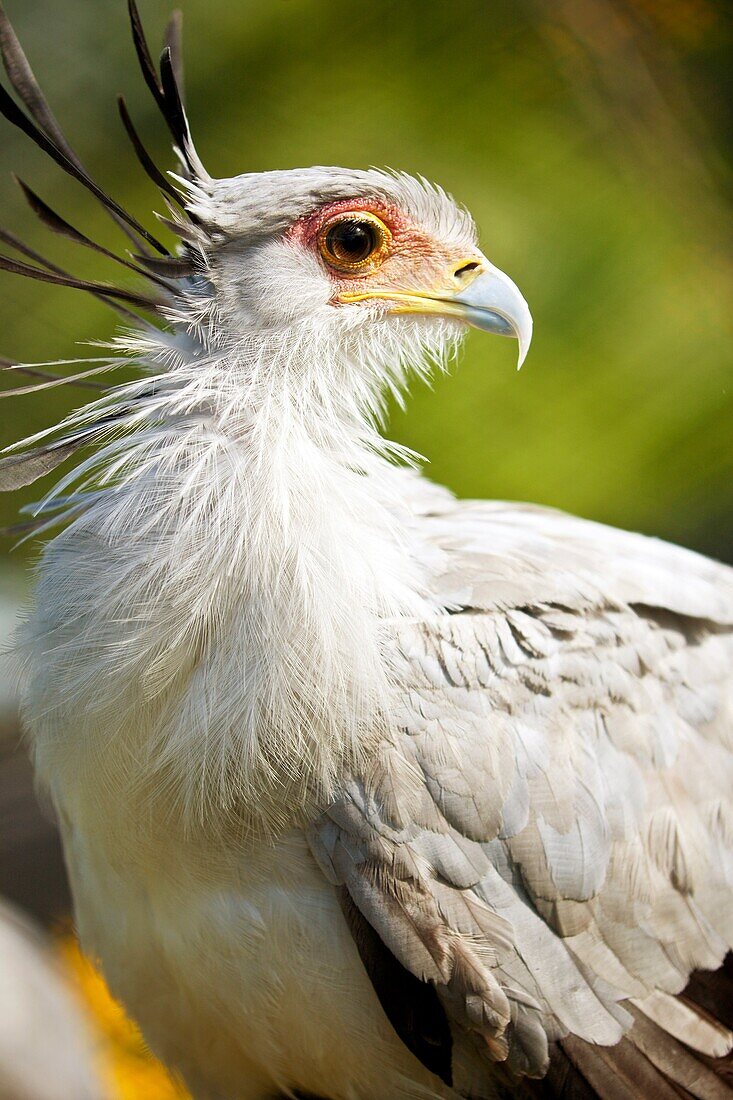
[525, 339]
[494, 303]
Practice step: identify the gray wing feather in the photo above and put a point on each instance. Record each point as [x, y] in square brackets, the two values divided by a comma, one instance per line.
[548, 832]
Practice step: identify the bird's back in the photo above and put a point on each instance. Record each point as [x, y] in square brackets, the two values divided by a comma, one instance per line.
[549, 842]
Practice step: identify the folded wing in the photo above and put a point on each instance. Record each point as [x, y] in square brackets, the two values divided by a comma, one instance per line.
[543, 850]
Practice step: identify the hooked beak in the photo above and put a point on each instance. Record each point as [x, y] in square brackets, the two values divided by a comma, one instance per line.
[493, 303]
[476, 293]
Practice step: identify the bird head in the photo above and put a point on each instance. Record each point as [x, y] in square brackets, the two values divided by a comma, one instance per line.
[331, 282]
[381, 262]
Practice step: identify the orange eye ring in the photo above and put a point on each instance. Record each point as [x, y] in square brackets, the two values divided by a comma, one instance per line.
[354, 243]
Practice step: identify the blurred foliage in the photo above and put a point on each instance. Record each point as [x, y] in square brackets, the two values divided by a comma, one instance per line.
[591, 139]
[128, 1069]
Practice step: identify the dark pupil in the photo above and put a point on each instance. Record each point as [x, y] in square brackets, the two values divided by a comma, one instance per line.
[351, 241]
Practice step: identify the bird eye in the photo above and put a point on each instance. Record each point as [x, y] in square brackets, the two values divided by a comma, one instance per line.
[354, 242]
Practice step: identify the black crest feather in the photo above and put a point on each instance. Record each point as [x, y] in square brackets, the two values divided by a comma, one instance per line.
[59, 225]
[17, 471]
[166, 88]
[144, 157]
[47, 133]
[15, 116]
[45, 275]
[144, 56]
[174, 42]
[32, 115]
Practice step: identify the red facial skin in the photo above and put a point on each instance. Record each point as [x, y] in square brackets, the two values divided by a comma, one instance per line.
[414, 260]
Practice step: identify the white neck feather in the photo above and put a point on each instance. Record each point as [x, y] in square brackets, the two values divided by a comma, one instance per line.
[216, 615]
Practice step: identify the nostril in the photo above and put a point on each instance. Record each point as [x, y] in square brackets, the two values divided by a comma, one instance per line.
[466, 269]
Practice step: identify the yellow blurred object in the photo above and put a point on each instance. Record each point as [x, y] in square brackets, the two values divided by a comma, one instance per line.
[129, 1069]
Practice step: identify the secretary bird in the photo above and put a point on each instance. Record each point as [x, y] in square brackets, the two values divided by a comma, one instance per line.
[366, 793]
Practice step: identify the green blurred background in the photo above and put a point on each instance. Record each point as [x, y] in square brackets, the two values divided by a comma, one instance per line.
[591, 139]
